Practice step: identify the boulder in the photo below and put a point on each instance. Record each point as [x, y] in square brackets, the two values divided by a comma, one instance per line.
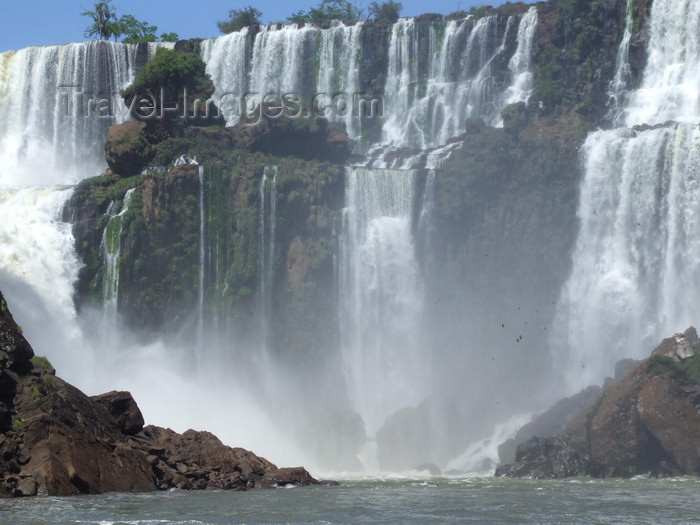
[547, 458]
[57, 441]
[15, 352]
[124, 410]
[648, 423]
[127, 150]
[550, 423]
[305, 138]
[679, 346]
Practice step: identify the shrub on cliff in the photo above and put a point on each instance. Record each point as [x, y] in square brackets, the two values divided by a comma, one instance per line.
[239, 18]
[386, 12]
[328, 10]
[163, 82]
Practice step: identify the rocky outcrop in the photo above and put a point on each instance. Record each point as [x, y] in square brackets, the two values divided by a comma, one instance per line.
[304, 138]
[15, 359]
[127, 150]
[679, 347]
[649, 423]
[57, 441]
[124, 410]
[549, 423]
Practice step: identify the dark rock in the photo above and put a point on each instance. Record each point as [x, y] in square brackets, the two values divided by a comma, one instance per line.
[191, 45]
[679, 346]
[550, 423]
[127, 150]
[546, 458]
[58, 442]
[304, 138]
[672, 421]
[26, 487]
[124, 410]
[648, 423]
[329, 483]
[624, 368]
[15, 351]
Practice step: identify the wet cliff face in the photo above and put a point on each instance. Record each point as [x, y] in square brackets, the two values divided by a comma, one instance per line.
[244, 246]
[184, 228]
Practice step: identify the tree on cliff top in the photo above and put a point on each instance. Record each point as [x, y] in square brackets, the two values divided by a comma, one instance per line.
[106, 25]
[104, 18]
[328, 10]
[239, 18]
[165, 79]
[386, 12]
[174, 70]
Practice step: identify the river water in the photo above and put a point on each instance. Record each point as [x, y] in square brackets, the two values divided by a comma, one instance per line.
[433, 500]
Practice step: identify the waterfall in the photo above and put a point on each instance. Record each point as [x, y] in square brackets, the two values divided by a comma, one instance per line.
[622, 79]
[338, 72]
[670, 87]
[57, 103]
[267, 226]
[36, 248]
[380, 294]
[202, 261]
[438, 76]
[227, 63]
[520, 64]
[111, 250]
[636, 265]
[460, 84]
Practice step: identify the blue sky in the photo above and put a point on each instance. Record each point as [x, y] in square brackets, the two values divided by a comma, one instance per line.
[26, 23]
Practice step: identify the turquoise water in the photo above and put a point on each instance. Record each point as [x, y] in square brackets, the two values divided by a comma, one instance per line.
[437, 500]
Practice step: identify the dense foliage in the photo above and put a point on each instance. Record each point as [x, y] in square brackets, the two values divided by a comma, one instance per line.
[173, 71]
[239, 18]
[385, 12]
[104, 20]
[328, 10]
[106, 25]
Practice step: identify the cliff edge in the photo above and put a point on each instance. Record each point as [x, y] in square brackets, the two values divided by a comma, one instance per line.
[57, 441]
[647, 423]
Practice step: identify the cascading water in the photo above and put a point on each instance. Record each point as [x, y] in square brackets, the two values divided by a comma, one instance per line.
[520, 64]
[379, 270]
[111, 251]
[202, 262]
[380, 293]
[429, 94]
[636, 265]
[267, 225]
[57, 103]
[427, 110]
[621, 81]
[339, 72]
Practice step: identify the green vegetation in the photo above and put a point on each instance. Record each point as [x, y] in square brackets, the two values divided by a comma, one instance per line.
[685, 372]
[41, 362]
[171, 73]
[173, 69]
[104, 19]
[515, 116]
[385, 12]
[328, 10]
[135, 31]
[106, 25]
[239, 18]
[169, 37]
